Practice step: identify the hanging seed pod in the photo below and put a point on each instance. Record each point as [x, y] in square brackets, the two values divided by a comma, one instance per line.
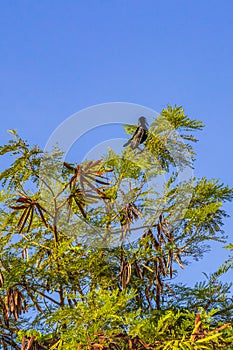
[30, 342]
[169, 263]
[162, 266]
[18, 301]
[125, 273]
[128, 273]
[5, 315]
[7, 299]
[159, 228]
[11, 303]
[23, 343]
[157, 297]
[123, 284]
[29, 207]
[16, 304]
[1, 279]
[138, 270]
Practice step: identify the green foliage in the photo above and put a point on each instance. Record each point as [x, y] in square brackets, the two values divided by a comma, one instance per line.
[168, 135]
[70, 278]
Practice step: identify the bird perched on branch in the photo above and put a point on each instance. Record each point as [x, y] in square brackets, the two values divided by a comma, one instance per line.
[140, 134]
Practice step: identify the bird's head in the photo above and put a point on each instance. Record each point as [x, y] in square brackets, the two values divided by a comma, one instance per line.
[142, 121]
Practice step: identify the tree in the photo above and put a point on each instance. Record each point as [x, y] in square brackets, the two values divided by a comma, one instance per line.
[71, 275]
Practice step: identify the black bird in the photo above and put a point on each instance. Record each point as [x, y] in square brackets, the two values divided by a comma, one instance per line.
[140, 134]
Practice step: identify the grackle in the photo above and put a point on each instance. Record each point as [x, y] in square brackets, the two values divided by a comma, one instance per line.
[140, 134]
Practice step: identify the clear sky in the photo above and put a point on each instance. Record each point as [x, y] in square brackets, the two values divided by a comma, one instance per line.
[60, 56]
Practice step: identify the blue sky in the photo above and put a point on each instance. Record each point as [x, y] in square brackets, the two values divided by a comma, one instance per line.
[58, 57]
